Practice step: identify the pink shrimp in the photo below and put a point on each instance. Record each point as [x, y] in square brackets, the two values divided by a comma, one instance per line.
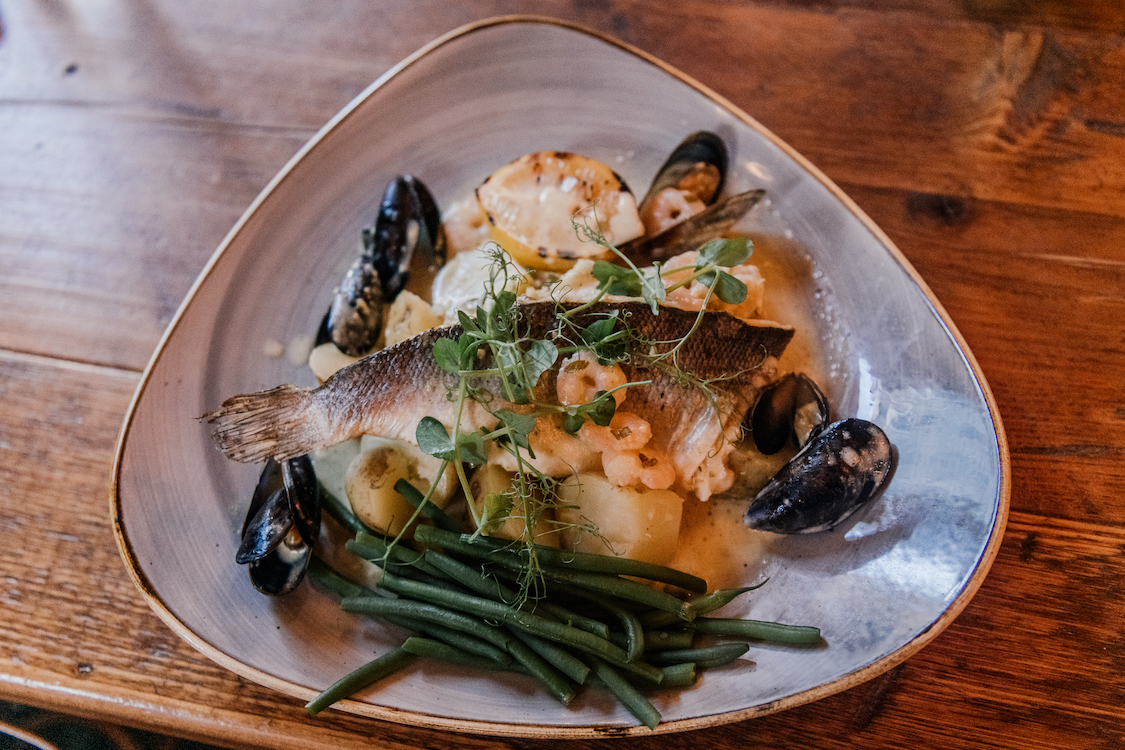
[581, 377]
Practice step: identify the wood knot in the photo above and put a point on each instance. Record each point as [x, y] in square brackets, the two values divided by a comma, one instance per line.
[950, 210]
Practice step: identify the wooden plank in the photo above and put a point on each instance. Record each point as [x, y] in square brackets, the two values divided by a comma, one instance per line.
[985, 136]
[77, 634]
[998, 111]
[917, 103]
[1106, 16]
[100, 243]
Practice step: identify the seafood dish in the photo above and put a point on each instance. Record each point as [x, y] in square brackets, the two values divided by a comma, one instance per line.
[866, 332]
[549, 371]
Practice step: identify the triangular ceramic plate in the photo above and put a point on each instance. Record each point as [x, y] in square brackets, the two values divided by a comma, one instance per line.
[879, 587]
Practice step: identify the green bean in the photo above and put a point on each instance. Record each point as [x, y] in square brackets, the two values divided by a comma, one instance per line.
[342, 512]
[386, 550]
[663, 640]
[375, 556]
[471, 578]
[477, 582]
[602, 582]
[444, 652]
[428, 509]
[708, 603]
[562, 558]
[700, 605]
[539, 668]
[675, 676]
[333, 581]
[678, 675]
[624, 691]
[388, 608]
[634, 637]
[320, 572]
[389, 662]
[458, 639]
[660, 640]
[710, 656]
[774, 632]
[559, 612]
[485, 584]
[621, 588]
[497, 611]
[554, 680]
[555, 655]
[533, 624]
[573, 619]
[389, 557]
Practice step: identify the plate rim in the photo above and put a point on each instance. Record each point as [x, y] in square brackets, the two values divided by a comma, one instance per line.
[509, 729]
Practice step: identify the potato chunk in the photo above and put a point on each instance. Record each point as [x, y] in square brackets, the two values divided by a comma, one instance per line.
[370, 482]
[638, 523]
[326, 359]
[492, 480]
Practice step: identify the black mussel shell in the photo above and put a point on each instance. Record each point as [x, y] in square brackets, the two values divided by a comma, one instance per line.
[269, 481]
[282, 570]
[355, 318]
[281, 526]
[304, 497]
[265, 529]
[828, 480]
[324, 330]
[434, 240]
[791, 408]
[698, 164]
[408, 221]
[714, 221]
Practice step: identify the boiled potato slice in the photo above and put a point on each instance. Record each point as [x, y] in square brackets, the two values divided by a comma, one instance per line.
[492, 480]
[530, 204]
[326, 359]
[638, 523]
[408, 316]
[370, 482]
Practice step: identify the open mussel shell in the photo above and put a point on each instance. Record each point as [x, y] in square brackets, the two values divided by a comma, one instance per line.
[304, 497]
[432, 238]
[265, 530]
[829, 479]
[407, 232]
[355, 319]
[715, 221]
[791, 409]
[282, 570]
[698, 165]
[281, 526]
[408, 221]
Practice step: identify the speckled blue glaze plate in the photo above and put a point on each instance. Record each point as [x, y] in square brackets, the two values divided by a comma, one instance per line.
[880, 586]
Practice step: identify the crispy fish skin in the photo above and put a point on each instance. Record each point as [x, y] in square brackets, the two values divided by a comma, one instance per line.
[388, 392]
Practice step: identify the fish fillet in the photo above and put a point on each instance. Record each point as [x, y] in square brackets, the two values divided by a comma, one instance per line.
[388, 392]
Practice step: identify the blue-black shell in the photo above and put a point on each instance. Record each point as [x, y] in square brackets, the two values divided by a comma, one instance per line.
[829, 479]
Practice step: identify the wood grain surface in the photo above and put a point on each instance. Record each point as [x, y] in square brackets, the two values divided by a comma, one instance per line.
[986, 137]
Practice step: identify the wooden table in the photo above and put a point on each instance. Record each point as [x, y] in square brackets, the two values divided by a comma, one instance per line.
[987, 137]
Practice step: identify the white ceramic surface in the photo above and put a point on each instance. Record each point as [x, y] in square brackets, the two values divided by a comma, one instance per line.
[879, 587]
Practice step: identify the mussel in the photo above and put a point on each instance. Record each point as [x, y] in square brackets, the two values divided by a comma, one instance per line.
[791, 409]
[281, 526]
[689, 181]
[834, 474]
[408, 221]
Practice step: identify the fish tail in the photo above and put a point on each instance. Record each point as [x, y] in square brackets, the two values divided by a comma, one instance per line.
[279, 423]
